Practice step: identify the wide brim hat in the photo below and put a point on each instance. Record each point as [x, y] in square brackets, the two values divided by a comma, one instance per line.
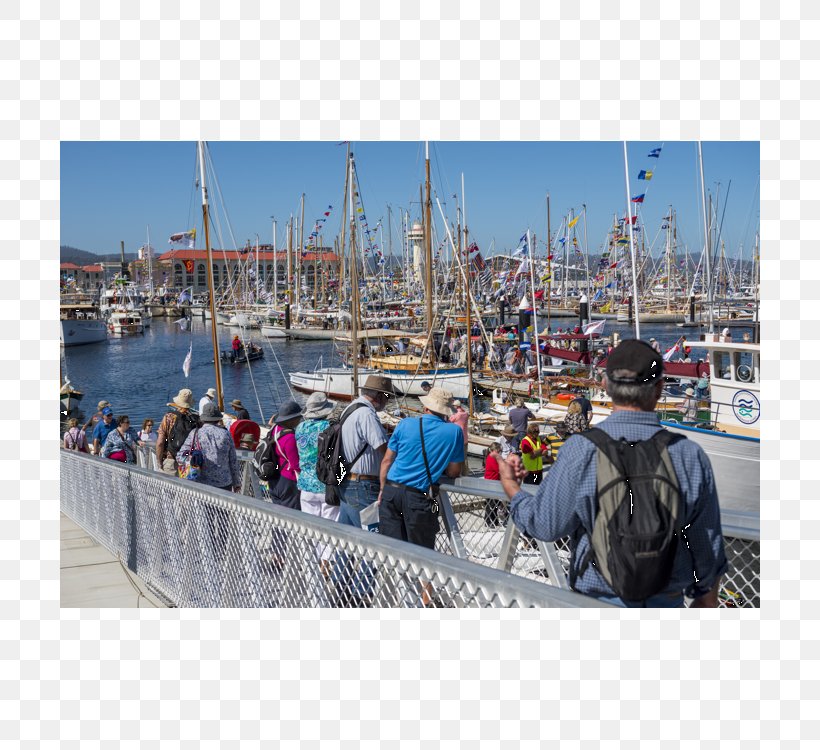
[379, 383]
[102, 404]
[287, 411]
[210, 413]
[184, 399]
[237, 403]
[690, 391]
[211, 392]
[438, 401]
[509, 431]
[318, 406]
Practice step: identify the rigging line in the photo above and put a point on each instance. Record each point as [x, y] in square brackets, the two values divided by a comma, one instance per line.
[279, 365]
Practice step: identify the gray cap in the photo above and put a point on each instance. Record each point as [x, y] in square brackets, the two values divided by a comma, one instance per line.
[287, 411]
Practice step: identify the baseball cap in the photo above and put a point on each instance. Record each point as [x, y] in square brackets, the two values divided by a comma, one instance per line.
[107, 410]
[637, 356]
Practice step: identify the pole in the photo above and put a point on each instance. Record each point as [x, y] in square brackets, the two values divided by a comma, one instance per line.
[211, 294]
[299, 256]
[275, 270]
[708, 264]
[632, 248]
[289, 293]
[532, 248]
[354, 283]
[549, 266]
[428, 244]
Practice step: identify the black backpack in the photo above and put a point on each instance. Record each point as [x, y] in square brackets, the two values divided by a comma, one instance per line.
[331, 465]
[183, 425]
[266, 459]
[635, 532]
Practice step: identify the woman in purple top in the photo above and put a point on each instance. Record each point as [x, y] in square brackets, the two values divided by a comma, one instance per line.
[285, 491]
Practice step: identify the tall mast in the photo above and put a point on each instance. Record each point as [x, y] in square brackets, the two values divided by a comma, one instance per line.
[549, 265]
[668, 260]
[150, 267]
[299, 256]
[635, 294]
[428, 242]
[343, 271]
[289, 293]
[532, 245]
[708, 264]
[468, 320]
[275, 269]
[354, 283]
[209, 268]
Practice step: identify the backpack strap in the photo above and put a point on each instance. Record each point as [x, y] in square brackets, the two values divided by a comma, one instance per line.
[345, 414]
[424, 452]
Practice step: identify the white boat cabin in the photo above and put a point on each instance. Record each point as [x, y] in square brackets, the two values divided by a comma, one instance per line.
[734, 383]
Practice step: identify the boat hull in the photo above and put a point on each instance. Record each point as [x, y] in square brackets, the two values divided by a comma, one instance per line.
[735, 462]
[274, 332]
[79, 332]
[336, 382]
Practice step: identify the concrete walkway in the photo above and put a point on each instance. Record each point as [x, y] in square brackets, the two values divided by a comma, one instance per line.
[90, 576]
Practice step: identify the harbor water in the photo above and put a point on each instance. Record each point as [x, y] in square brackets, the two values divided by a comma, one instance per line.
[139, 375]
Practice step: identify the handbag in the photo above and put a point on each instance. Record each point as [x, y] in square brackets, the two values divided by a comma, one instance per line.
[432, 489]
[190, 467]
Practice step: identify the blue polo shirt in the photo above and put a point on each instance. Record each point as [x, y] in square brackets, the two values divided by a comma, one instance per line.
[443, 443]
[102, 429]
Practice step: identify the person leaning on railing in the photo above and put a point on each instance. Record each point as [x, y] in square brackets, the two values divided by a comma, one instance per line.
[566, 503]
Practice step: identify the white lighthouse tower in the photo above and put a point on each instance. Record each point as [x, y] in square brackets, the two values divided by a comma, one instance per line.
[416, 239]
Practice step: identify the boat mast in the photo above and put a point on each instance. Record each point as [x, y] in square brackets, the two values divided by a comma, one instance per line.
[209, 268]
[343, 271]
[549, 266]
[668, 261]
[632, 249]
[428, 245]
[289, 292]
[468, 320]
[708, 263]
[275, 270]
[354, 283]
[532, 246]
[150, 267]
[299, 256]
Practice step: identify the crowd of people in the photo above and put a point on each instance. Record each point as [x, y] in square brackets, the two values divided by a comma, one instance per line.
[400, 473]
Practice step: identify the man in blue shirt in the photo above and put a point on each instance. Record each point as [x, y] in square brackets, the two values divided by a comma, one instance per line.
[405, 511]
[104, 426]
[566, 502]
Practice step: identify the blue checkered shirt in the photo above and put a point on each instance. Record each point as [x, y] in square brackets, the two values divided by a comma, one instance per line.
[565, 506]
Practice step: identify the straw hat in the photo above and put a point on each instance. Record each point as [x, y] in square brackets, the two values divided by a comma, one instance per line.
[210, 413]
[438, 401]
[690, 391]
[237, 404]
[318, 406]
[102, 404]
[509, 431]
[184, 399]
[287, 411]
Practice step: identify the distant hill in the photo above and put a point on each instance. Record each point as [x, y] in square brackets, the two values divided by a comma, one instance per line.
[70, 254]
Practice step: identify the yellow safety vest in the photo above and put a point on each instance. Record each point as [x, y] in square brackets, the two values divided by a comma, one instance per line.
[530, 463]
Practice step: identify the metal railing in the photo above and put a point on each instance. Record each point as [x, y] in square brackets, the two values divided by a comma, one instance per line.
[196, 546]
[476, 529]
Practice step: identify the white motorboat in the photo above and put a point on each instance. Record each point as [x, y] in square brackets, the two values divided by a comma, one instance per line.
[731, 437]
[81, 324]
[125, 323]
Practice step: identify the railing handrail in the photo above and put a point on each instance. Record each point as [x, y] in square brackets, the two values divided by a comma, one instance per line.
[735, 523]
[520, 590]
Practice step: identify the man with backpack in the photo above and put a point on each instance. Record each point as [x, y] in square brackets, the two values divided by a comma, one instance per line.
[363, 444]
[174, 429]
[638, 503]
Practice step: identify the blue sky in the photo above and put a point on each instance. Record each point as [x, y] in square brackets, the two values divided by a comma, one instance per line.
[112, 191]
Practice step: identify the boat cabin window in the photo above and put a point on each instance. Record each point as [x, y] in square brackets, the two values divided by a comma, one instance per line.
[721, 366]
[746, 368]
[742, 367]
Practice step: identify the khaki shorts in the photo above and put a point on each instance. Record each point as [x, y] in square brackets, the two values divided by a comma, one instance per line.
[169, 466]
